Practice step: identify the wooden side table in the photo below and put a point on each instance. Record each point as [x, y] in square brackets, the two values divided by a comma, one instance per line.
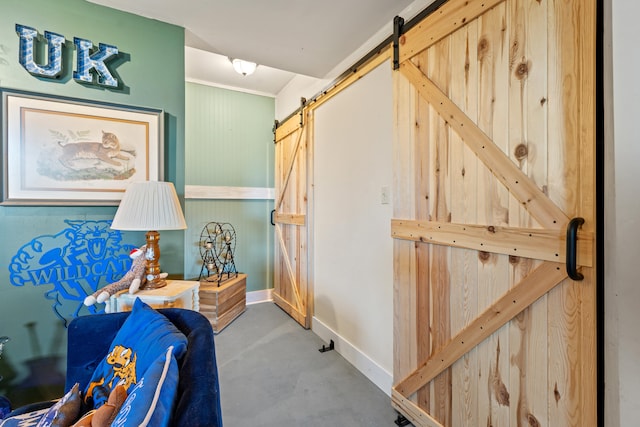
[177, 294]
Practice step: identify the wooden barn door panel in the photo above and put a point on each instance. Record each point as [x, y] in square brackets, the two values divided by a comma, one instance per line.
[494, 154]
[290, 271]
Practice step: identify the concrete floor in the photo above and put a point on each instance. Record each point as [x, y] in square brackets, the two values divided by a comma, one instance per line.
[272, 374]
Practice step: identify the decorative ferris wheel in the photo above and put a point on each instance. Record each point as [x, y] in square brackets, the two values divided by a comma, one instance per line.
[217, 248]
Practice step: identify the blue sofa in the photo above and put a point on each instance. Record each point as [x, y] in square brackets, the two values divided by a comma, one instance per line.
[198, 399]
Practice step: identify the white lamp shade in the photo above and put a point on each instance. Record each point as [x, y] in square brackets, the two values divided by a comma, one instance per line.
[149, 205]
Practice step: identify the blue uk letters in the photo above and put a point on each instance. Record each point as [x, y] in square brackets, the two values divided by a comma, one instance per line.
[86, 61]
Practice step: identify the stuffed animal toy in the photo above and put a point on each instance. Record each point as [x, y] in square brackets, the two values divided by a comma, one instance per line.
[132, 280]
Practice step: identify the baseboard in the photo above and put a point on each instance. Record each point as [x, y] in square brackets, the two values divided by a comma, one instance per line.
[369, 368]
[256, 297]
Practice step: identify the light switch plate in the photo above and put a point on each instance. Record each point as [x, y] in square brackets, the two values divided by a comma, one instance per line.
[384, 195]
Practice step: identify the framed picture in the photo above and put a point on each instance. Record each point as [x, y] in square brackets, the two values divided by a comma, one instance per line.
[63, 151]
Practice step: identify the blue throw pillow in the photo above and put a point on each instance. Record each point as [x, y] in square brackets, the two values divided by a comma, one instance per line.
[150, 402]
[144, 336]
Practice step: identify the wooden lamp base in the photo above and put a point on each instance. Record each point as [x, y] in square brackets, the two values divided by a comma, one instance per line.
[152, 268]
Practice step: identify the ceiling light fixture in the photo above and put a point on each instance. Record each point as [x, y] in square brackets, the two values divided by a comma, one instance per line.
[245, 68]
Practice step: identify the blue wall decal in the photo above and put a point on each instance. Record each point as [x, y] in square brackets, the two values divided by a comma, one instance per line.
[72, 264]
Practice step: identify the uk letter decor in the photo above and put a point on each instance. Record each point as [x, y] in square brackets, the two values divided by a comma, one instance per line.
[85, 60]
[67, 151]
[26, 52]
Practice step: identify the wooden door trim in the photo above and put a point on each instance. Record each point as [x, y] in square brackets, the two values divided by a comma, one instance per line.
[413, 412]
[547, 213]
[287, 128]
[526, 292]
[448, 18]
[290, 309]
[535, 243]
[290, 168]
[292, 277]
[290, 219]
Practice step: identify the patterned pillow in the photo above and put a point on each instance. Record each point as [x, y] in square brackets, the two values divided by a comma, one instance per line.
[62, 414]
[143, 337]
[151, 401]
[65, 411]
[27, 419]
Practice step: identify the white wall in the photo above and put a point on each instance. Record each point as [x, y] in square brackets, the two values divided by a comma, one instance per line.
[622, 215]
[353, 264]
[288, 99]
[353, 250]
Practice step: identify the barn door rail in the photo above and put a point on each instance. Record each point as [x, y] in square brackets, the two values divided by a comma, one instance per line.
[572, 251]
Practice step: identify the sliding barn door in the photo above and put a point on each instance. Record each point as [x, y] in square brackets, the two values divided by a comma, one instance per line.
[290, 218]
[494, 158]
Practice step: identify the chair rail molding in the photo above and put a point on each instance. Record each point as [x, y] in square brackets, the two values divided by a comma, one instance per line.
[217, 192]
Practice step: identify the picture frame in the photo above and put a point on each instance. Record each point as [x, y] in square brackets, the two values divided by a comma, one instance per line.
[65, 151]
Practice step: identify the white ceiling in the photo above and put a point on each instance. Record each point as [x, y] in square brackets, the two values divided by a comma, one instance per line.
[211, 68]
[285, 37]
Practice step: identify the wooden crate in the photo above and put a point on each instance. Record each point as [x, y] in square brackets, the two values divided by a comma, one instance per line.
[222, 304]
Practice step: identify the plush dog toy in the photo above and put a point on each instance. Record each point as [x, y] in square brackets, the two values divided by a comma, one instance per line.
[132, 280]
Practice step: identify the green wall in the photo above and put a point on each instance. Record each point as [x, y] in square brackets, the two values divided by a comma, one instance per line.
[230, 144]
[151, 67]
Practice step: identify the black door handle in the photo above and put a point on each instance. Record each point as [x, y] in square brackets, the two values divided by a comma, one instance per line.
[572, 250]
[272, 214]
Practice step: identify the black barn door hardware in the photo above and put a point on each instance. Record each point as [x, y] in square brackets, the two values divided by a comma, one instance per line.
[325, 348]
[572, 248]
[398, 23]
[401, 421]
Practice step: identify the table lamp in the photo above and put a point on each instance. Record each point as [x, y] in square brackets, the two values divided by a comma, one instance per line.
[150, 206]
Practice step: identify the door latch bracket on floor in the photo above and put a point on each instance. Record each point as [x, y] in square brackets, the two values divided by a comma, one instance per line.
[325, 348]
[401, 421]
